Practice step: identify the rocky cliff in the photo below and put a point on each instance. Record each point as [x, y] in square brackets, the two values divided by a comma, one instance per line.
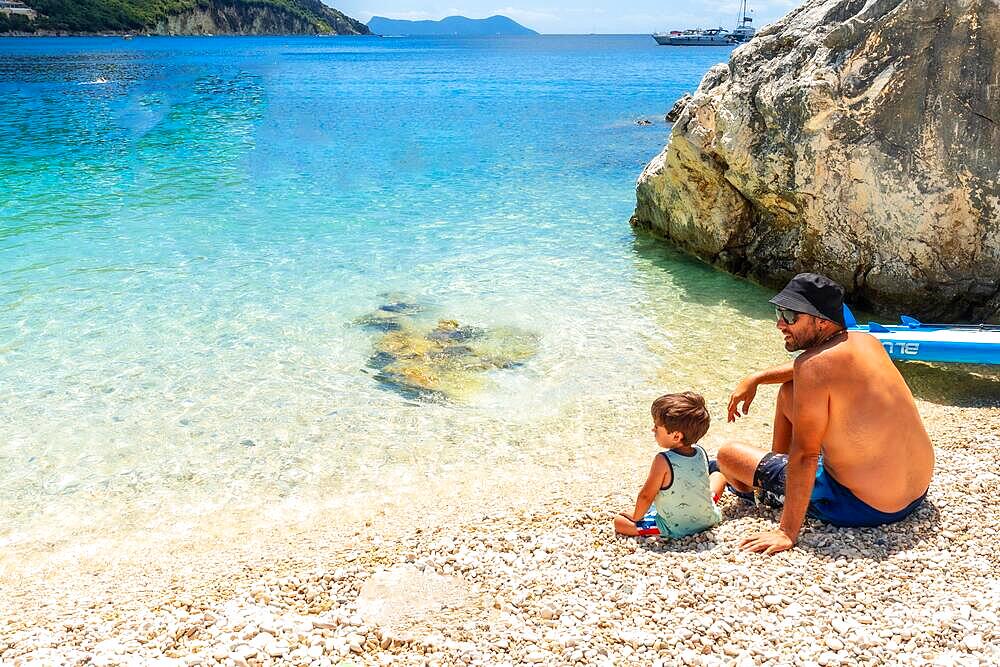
[858, 138]
[185, 17]
[234, 17]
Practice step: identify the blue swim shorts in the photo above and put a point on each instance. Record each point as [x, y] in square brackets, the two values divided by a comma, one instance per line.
[830, 501]
[647, 526]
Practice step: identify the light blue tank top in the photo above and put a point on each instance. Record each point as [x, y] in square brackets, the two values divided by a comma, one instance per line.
[685, 507]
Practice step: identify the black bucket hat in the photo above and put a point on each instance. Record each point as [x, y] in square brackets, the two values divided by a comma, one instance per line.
[813, 294]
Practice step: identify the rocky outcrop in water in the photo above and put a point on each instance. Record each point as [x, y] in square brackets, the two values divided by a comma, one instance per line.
[856, 138]
[420, 357]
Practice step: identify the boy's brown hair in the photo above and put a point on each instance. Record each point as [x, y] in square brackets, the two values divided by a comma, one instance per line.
[684, 412]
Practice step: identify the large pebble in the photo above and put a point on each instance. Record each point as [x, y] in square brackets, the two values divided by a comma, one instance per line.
[841, 626]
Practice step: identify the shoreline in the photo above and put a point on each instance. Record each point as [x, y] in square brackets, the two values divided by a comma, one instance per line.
[551, 584]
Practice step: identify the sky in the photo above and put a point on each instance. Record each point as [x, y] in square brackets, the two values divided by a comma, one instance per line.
[582, 16]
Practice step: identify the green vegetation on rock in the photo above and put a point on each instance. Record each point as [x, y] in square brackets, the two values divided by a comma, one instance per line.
[237, 16]
[15, 23]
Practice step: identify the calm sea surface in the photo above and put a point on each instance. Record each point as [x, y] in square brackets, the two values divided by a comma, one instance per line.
[190, 228]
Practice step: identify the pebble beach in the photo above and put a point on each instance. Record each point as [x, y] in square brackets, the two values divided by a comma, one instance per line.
[550, 584]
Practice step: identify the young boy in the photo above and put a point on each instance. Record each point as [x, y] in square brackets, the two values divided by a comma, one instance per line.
[680, 489]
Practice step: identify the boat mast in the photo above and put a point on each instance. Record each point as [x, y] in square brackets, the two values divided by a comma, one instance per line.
[741, 20]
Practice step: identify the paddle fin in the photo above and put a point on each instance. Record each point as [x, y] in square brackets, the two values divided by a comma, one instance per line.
[876, 327]
[911, 322]
[849, 320]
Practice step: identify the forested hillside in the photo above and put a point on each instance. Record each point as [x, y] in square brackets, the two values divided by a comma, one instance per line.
[230, 16]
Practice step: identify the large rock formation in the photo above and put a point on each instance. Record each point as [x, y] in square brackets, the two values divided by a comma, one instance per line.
[239, 17]
[186, 17]
[858, 138]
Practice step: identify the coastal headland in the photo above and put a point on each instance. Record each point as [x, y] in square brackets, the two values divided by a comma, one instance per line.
[450, 26]
[182, 17]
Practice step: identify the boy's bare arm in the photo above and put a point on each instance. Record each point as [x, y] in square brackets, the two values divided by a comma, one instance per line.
[659, 476]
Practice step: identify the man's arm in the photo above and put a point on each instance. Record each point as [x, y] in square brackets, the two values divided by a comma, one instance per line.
[810, 416]
[746, 390]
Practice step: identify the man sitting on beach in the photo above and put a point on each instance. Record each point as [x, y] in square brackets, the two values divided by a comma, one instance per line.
[849, 447]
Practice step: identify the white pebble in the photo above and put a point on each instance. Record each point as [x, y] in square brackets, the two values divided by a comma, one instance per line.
[841, 626]
[973, 642]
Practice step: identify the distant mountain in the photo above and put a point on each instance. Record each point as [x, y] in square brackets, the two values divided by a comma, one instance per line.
[452, 26]
[184, 17]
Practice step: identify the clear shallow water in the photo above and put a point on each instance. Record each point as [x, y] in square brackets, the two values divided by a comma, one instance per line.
[185, 244]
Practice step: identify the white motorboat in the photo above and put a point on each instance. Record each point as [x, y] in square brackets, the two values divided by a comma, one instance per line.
[711, 37]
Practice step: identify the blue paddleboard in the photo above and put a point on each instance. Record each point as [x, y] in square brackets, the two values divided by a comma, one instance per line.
[913, 340]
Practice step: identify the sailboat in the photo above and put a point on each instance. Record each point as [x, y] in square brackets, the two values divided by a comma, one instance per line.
[744, 26]
[711, 37]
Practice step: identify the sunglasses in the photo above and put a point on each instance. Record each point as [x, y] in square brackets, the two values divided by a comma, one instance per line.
[789, 316]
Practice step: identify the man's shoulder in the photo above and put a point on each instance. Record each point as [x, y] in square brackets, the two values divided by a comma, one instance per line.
[832, 358]
[811, 363]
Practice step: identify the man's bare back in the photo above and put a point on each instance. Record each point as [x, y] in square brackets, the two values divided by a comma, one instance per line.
[875, 442]
[848, 446]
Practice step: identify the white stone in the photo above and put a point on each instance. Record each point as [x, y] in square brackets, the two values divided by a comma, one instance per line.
[827, 658]
[841, 626]
[973, 642]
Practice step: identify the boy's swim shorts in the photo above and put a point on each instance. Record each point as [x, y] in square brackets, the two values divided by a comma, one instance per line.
[647, 526]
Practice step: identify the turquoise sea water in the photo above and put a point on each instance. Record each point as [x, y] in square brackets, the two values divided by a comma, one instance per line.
[189, 227]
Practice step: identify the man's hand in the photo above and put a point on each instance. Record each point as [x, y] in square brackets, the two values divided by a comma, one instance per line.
[770, 542]
[744, 393]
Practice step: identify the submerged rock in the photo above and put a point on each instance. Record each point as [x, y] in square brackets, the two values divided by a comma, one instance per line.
[449, 330]
[858, 139]
[390, 316]
[422, 359]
